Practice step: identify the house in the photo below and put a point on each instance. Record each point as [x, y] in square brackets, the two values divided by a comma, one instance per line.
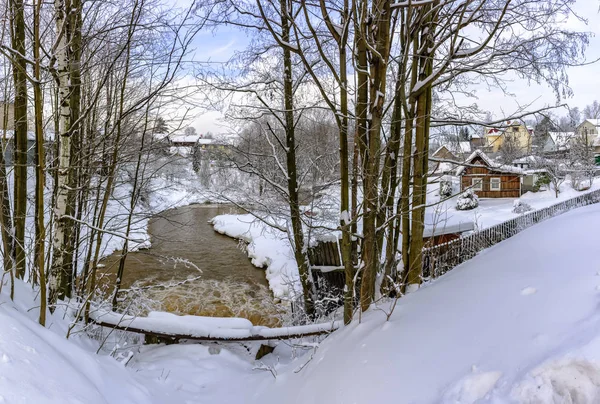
[489, 179]
[456, 151]
[182, 140]
[561, 141]
[589, 127]
[512, 131]
[477, 141]
[525, 162]
[450, 152]
[443, 153]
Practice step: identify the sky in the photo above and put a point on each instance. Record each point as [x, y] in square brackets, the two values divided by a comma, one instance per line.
[220, 45]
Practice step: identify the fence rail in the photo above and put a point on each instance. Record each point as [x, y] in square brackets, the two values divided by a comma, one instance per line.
[439, 259]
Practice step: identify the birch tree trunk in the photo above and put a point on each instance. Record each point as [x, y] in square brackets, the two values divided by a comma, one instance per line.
[60, 269]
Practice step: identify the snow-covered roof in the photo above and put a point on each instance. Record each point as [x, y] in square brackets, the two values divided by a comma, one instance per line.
[525, 160]
[488, 162]
[443, 168]
[178, 138]
[465, 147]
[448, 229]
[455, 148]
[561, 139]
[595, 122]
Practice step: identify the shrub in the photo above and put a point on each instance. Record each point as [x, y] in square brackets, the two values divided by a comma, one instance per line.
[542, 181]
[467, 200]
[521, 207]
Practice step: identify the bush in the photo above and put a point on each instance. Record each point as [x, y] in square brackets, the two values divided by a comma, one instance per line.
[445, 188]
[521, 207]
[542, 181]
[467, 200]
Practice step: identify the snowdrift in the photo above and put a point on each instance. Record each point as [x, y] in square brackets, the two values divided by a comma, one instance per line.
[40, 366]
[520, 323]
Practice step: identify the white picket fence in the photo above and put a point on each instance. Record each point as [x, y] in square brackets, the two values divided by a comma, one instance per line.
[439, 259]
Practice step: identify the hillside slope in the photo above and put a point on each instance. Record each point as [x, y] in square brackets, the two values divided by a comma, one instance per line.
[519, 323]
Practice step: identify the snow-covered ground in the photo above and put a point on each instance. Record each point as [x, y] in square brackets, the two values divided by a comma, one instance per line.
[519, 323]
[38, 365]
[492, 211]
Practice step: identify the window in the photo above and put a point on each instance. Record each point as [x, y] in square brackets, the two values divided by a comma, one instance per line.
[477, 184]
[495, 184]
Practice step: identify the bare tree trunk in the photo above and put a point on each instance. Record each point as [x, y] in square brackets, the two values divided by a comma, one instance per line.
[407, 172]
[290, 142]
[389, 184]
[20, 137]
[72, 228]
[362, 101]
[40, 162]
[380, 24]
[421, 159]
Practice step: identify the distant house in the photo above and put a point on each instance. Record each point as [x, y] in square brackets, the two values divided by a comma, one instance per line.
[450, 152]
[181, 140]
[525, 162]
[443, 152]
[561, 141]
[489, 179]
[589, 127]
[495, 137]
[477, 141]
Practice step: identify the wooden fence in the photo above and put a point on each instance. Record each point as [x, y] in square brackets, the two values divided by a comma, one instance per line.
[439, 259]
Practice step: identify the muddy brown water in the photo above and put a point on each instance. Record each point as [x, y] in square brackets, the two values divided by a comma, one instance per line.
[185, 247]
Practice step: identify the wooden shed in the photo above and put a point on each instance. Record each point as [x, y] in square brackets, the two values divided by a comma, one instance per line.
[489, 179]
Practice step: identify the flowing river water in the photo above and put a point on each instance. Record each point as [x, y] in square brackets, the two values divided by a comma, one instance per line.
[208, 274]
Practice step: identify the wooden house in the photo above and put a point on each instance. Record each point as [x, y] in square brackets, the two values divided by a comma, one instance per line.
[489, 179]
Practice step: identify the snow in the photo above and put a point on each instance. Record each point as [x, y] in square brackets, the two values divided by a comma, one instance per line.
[473, 336]
[180, 138]
[205, 327]
[38, 365]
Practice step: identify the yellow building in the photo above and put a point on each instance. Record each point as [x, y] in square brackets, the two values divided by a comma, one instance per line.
[515, 132]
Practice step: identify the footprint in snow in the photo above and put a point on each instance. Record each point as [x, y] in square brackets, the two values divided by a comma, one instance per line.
[528, 291]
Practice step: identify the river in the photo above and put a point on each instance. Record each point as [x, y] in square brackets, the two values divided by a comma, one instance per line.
[209, 274]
